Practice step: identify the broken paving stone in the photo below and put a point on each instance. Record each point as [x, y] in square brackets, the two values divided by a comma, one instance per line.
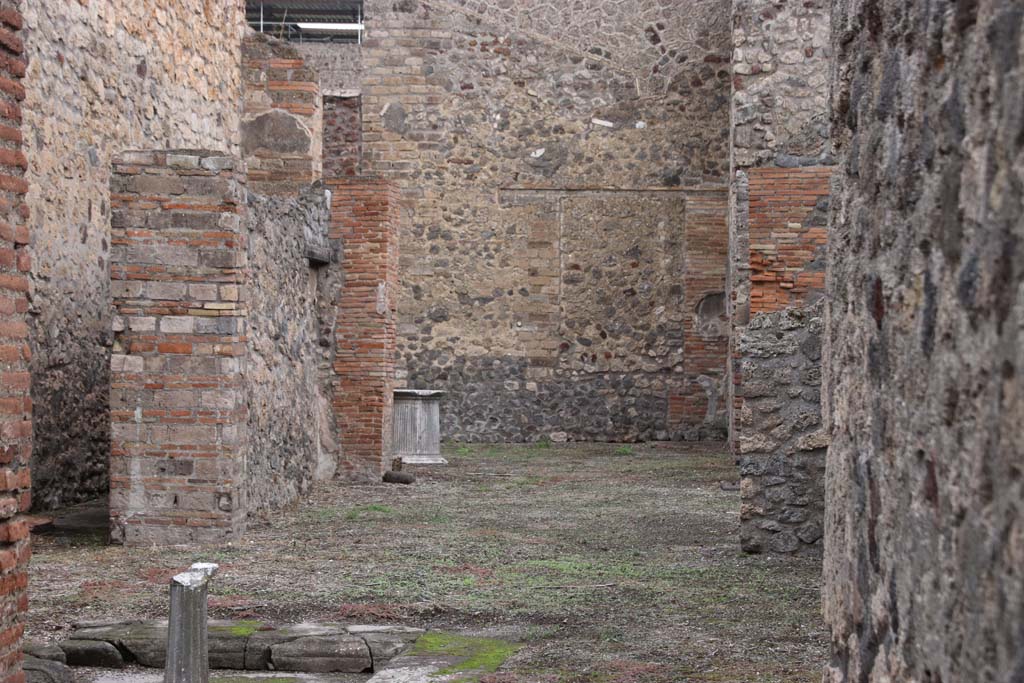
[46, 671]
[144, 641]
[96, 653]
[50, 651]
[384, 647]
[257, 653]
[322, 654]
[386, 642]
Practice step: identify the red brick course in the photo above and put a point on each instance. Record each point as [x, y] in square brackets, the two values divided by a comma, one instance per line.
[705, 348]
[15, 404]
[782, 246]
[178, 411]
[365, 216]
[276, 78]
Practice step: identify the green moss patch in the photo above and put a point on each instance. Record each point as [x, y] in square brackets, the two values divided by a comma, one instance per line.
[242, 629]
[479, 655]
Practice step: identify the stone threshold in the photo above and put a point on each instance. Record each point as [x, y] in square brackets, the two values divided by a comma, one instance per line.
[238, 646]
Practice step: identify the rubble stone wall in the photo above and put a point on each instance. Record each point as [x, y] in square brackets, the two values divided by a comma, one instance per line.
[293, 290]
[522, 137]
[104, 77]
[924, 534]
[339, 68]
[343, 136]
[781, 166]
[781, 438]
[15, 401]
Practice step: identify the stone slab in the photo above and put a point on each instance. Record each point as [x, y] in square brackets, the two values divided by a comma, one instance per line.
[257, 655]
[229, 640]
[423, 460]
[322, 654]
[92, 653]
[46, 671]
[50, 651]
[146, 641]
[250, 645]
[136, 675]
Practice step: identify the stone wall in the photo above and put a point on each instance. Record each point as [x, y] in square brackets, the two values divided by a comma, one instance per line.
[103, 77]
[781, 439]
[518, 136]
[364, 220]
[282, 118]
[178, 402]
[343, 136]
[924, 539]
[339, 67]
[15, 403]
[292, 300]
[781, 164]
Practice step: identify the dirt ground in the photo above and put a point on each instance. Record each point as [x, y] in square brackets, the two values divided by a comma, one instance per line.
[609, 563]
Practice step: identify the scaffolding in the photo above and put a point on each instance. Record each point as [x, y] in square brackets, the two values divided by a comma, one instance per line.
[313, 21]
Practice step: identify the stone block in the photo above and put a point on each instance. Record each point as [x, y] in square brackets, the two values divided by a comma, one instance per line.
[45, 670]
[258, 651]
[322, 654]
[48, 651]
[94, 653]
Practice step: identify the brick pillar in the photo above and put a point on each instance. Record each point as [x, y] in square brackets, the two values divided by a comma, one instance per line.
[698, 410]
[282, 117]
[15, 404]
[365, 216]
[178, 411]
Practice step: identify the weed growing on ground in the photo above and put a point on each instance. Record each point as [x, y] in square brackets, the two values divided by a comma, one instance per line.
[364, 511]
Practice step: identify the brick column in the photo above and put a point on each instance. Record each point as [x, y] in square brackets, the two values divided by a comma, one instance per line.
[365, 215]
[697, 409]
[282, 117]
[178, 411]
[15, 404]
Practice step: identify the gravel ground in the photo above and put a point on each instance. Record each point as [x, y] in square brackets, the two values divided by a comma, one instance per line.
[609, 563]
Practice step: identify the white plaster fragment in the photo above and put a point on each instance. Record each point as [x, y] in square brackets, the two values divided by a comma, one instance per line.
[537, 154]
[640, 125]
[382, 298]
[602, 122]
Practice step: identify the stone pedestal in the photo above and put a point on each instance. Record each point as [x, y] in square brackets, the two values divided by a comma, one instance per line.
[417, 427]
